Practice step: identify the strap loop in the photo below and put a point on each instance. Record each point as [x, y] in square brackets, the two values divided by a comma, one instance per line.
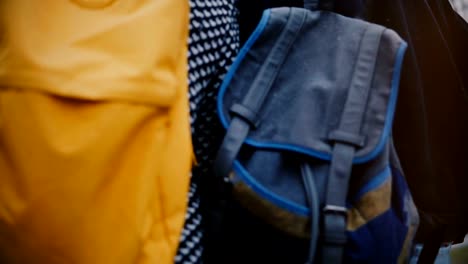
[245, 113]
[335, 226]
[347, 138]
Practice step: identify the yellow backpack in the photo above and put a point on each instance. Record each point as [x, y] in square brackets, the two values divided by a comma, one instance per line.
[95, 148]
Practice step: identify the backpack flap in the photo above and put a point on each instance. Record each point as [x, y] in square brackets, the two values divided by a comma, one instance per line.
[310, 94]
[309, 89]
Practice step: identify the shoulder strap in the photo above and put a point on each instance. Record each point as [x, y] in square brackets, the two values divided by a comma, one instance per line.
[346, 139]
[244, 114]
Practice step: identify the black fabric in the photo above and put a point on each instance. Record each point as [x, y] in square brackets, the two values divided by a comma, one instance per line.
[213, 44]
[311, 4]
[432, 245]
[431, 121]
[319, 4]
[248, 240]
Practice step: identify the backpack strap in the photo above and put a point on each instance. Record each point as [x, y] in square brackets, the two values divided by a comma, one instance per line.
[244, 115]
[346, 139]
[244, 118]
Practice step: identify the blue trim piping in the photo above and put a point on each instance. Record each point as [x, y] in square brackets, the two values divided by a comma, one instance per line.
[373, 184]
[267, 194]
[391, 106]
[259, 188]
[307, 151]
[296, 208]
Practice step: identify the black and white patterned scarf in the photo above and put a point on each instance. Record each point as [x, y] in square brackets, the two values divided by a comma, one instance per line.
[213, 45]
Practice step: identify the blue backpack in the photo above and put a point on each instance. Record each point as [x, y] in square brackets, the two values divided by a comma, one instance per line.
[308, 107]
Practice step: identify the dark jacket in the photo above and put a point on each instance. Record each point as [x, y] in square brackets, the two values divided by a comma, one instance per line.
[431, 123]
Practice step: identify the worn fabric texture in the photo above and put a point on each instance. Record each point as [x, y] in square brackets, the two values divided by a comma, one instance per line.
[288, 107]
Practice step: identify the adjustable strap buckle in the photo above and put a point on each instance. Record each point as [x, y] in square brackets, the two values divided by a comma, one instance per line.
[335, 224]
[334, 209]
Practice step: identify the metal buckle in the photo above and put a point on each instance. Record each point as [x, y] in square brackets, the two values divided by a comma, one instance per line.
[334, 209]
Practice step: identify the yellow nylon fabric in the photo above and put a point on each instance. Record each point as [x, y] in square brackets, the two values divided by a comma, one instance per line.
[95, 148]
